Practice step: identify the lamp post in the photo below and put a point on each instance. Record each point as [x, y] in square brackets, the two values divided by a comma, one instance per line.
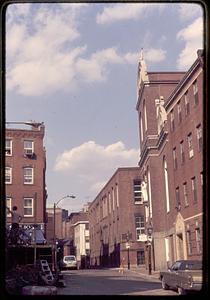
[54, 235]
[149, 243]
[128, 248]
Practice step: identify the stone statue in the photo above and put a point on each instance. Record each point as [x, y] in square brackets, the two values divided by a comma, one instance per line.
[144, 191]
[161, 114]
[142, 71]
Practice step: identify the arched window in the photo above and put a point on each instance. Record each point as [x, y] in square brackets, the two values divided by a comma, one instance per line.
[165, 169]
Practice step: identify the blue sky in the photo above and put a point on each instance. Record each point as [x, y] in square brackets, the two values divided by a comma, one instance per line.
[74, 67]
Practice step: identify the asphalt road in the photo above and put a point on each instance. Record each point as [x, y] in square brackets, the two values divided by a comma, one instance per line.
[109, 282]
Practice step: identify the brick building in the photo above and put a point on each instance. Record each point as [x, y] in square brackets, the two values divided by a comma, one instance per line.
[116, 219]
[25, 174]
[169, 106]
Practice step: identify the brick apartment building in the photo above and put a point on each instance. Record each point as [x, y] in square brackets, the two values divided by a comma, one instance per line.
[25, 174]
[116, 219]
[169, 106]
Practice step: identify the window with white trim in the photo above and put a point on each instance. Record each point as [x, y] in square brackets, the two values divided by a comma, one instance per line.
[195, 92]
[179, 112]
[110, 204]
[194, 189]
[117, 194]
[8, 175]
[198, 239]
[185, 194]
[141, 128]
[166, 185]
[172, 120]
[138, 199]
[145, 116]
[187, 104]
[28, 175]
[28, 147]
[113, 199]
[182, 152]
[199, 137]
[174, 159]
[8, 149]
[9, 205]
[190, 145]
[28, 207]
[140, 227]
[189, 242]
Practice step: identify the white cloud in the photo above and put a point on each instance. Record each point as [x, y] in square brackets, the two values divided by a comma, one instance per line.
[193, 39]
[155, 55]
[126, 11]
[95, 163]
[188, 11]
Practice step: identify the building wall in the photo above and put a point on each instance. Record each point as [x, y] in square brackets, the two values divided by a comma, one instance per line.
[17, 190]
[112, 221]
[170, 226]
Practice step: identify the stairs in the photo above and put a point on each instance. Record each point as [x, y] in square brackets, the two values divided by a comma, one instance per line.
[46, 273]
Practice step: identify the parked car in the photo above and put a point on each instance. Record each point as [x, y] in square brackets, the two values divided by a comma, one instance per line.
[69, 262]
[184, 275]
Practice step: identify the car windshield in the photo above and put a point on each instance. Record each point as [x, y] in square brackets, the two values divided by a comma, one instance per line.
[68, 258]
[196, 265]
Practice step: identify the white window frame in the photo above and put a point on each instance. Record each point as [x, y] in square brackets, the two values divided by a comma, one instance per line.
[145, 116]
[194, 189]
[141, 128]
[110, 203]
[8, 173]
[172, 120]
[8, 148]
[199, 136]
[190, 145]
[187, 104]
[189, 242]
[26, 177]
[166, 185]
[28, 150]
[198, 239]
[138, 199]
[117, 195]
[182, 152]
[175, 159]
[29, 206]
[185, 192]
[139, 229]
[113, 199]
[9, 205]
[179, 111]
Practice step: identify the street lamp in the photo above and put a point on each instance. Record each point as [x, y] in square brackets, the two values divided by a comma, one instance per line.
[128, 248]
[149, 243]
[54, 236]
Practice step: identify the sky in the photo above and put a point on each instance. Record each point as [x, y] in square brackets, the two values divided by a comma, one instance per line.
[74, 66]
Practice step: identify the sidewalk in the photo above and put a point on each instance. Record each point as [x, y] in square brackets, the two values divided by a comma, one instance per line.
[140, 271]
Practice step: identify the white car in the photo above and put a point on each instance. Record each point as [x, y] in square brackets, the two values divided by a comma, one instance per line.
[69, 262]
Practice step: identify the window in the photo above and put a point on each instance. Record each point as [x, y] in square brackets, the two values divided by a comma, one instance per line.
[145, 116]
[141, 128]
[186, 203]
[86, 226]
[201, 174]
[28, 147]
[190, 145]
[182, 152]
[110, 205]
[174, 159]
[195, 92]
[179, 112]
[187, 104]
[9, 205]
[137, 192]
[117, 195]
[199, 137]
[28, 175]
[140, 257]
[194, 190]
[8, 149]
[178, 203]
[172, 120]
[113, 199]
[140, 229]
[166, 185]
[28, 207]
[189, 242]
[8, 175]
[198, 239]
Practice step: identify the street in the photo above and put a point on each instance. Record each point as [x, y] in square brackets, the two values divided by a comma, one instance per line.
[110, 282]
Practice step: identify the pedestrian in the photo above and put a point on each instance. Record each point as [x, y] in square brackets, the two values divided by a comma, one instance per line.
[122, 266]
[16, 218]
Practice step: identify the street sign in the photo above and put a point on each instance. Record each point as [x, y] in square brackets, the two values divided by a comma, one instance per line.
[127, 245]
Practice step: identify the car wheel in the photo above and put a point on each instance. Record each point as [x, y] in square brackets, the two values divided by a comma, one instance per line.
[164, 285]
[181, 291]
